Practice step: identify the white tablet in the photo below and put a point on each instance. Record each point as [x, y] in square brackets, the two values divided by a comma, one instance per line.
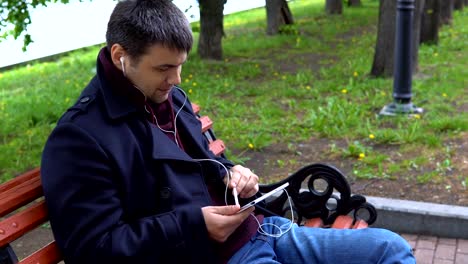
[263, 197]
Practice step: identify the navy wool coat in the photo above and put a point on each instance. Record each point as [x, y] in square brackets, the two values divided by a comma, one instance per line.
[118, 190]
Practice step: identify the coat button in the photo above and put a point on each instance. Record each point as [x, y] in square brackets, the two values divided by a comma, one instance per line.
[165, 193]
[84, 99]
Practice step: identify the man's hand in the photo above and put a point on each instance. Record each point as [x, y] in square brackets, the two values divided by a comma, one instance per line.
[244, 180]
[221, 221]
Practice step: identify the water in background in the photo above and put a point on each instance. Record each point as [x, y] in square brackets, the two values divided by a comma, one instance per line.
[60, 27]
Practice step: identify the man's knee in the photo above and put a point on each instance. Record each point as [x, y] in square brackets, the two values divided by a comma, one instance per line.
[395, 249]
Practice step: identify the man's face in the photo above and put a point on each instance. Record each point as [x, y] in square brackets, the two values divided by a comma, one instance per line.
[156, 72]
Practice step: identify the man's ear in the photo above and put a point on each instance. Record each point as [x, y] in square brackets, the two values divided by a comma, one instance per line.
[117, 52]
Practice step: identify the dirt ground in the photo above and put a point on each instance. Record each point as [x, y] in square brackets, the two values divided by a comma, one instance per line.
[448, 189]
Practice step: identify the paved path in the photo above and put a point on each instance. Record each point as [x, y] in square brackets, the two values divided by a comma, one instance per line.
[436, 250]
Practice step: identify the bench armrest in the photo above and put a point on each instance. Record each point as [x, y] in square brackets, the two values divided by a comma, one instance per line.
[318, 191]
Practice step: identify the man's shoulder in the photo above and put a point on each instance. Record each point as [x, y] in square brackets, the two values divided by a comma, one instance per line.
[85, 106]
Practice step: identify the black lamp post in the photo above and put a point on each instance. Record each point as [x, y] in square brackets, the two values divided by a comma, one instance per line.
[402, 72]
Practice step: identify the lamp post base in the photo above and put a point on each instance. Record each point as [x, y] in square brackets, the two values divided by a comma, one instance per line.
[394, 109]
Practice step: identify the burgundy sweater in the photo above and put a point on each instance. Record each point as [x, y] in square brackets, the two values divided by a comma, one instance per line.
[164, 113]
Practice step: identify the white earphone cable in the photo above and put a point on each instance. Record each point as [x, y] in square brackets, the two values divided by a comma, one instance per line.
[228, 173]
[261, 229]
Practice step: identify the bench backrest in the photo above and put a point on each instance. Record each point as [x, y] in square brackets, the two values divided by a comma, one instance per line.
[19, 219]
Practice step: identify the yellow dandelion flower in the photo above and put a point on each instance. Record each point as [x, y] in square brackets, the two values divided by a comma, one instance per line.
[436, 54]
[444, 95]
[187, 80]
[190, 76]
[355, 74]
[417, 116]
[371, 136]
[308, 87]
[190, 91]
[194, 84]
[283, 77]
[67, 81]
[362, 155]
[251, 146]
[344, 91]
[275, 74]
[67, 100]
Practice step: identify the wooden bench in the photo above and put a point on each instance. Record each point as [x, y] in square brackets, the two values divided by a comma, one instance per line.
[22, 206]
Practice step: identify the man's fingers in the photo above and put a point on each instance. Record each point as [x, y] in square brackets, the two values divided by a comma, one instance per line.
[250, 187]
[244, 181]
[221, 221]
[225, 210]
[230, 210]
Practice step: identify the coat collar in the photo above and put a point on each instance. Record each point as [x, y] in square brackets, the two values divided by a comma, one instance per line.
[121, 98]
[120, 103]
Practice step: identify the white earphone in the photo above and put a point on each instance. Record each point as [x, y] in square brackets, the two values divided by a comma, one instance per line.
[123, 66]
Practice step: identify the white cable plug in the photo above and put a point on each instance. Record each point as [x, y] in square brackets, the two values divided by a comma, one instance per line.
[234, 193]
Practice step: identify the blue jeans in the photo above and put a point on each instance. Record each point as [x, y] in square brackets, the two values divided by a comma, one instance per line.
[323, 245]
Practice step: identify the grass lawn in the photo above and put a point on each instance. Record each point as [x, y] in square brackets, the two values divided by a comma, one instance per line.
[310, 83]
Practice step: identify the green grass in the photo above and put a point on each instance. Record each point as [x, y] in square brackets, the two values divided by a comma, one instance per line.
[311, 81]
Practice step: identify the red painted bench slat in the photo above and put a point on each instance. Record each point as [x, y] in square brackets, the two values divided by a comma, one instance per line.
[343, 222]
[20, 223]
[20, 191]
[49, 254]
[206, 123]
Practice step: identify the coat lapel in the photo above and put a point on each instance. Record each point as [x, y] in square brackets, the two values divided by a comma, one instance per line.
[189, 125]
[165, 148]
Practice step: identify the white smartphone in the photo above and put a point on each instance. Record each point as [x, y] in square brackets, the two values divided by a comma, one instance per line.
[263, 197]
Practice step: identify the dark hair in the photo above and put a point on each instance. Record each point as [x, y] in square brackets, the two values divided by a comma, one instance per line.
[139, 24]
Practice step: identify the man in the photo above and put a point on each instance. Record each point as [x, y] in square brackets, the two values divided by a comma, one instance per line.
[128, 177]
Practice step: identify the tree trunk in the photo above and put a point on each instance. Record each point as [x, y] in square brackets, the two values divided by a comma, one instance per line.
[446, 12]
[278, 15]
[430, 22]
[458, 4]
[354, 3]
[384, 49]
[334, 7]
[211, 29]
